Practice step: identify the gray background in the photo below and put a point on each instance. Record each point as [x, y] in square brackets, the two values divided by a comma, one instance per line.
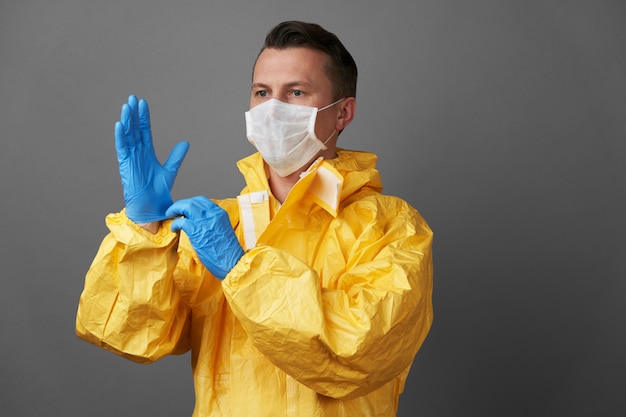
[503, 122]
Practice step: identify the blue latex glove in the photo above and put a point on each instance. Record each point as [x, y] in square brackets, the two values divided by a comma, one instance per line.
[210, 233]
[147, 184]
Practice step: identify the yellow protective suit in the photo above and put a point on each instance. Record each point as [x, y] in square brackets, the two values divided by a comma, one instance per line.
[322, 316]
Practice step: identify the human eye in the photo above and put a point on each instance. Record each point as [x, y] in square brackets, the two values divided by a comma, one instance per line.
[261, 93]
[297, 93]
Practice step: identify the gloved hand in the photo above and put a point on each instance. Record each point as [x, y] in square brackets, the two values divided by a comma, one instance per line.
[210, 233]
[147, 184]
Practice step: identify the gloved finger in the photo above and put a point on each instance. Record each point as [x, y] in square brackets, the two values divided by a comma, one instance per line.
[134, 117]
[184, 207]
[192, 208]
[121, 145]
[181, 223]
[125, 120]
[178, 208]
[144, 123]
[176, 157]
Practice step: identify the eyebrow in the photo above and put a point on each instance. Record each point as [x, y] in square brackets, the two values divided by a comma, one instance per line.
[288, 85]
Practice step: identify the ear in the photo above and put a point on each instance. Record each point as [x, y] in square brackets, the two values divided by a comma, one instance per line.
[347, 109]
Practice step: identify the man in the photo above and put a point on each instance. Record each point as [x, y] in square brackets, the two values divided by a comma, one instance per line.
[307, 295]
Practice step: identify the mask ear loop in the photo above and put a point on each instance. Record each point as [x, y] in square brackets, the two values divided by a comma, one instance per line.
[334, 131]
[326, 141]
[329, 106]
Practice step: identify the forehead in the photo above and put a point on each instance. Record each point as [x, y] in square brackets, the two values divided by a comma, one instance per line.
[291, 64]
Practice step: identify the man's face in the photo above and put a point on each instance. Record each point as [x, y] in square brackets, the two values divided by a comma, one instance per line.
[296, 76]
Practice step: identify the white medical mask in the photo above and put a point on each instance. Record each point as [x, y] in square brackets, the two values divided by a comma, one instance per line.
[284, 134]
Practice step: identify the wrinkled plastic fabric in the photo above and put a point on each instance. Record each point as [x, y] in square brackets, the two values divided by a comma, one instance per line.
[323, 317]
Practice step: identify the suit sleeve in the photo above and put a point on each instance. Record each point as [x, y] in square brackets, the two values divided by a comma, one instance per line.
[130, 304]
[354, 319]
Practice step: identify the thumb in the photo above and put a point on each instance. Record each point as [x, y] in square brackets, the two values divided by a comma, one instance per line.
[178, 224]
[176, 157]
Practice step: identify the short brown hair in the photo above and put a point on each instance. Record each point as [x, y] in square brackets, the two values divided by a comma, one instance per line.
[341, 70]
